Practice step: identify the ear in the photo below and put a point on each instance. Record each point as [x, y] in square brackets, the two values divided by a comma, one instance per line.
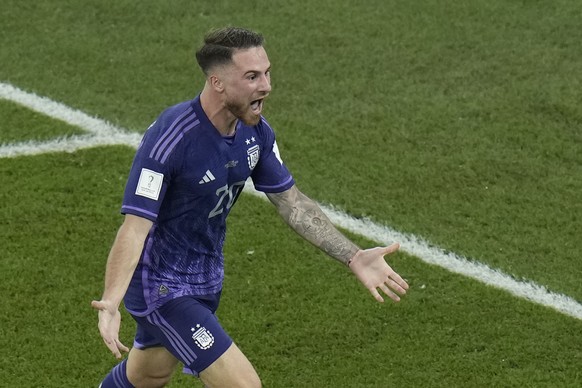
[216, 83]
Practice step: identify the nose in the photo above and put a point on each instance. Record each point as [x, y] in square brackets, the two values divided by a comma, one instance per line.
[265, 85]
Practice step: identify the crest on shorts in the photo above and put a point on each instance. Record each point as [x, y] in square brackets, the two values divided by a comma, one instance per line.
[253, 156]
[202, 337]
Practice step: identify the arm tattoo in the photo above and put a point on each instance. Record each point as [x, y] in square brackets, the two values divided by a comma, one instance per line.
[309, 221]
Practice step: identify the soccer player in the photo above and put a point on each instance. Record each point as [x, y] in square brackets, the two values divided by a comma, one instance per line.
[166, 262]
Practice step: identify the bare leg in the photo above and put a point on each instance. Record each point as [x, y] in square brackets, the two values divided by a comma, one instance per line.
[150, 368]
[231, 370]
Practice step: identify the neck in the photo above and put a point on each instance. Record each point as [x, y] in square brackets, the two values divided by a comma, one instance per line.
[217, 112]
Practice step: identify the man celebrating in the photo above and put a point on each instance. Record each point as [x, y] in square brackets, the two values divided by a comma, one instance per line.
[166, 262]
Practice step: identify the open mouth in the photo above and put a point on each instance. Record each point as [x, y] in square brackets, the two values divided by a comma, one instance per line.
[257, 106]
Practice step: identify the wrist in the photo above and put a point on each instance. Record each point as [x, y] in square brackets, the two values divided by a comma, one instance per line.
[110, 305]
[351, 260]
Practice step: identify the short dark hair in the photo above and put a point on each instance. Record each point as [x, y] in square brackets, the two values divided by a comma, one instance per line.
[219, 46]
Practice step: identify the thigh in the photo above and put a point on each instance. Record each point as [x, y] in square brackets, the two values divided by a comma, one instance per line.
[188, 329]
[151, 367]
[232, 370]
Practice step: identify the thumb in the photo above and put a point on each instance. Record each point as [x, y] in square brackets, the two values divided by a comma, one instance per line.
[98, 305]
[391, 248]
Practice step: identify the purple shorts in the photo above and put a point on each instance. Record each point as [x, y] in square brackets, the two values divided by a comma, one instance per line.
[188, 328]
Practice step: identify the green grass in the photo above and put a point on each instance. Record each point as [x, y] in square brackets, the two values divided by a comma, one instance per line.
[456, 121]
[302, 319]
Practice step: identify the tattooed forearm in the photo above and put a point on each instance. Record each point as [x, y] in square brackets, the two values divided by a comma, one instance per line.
[312, 224]
[307, 219]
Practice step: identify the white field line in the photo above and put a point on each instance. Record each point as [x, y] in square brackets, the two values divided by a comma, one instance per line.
[68, 144]
[103, 133]
[58, 111]
[418, 247]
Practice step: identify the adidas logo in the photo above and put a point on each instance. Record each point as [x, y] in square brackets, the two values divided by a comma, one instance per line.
[208, 177]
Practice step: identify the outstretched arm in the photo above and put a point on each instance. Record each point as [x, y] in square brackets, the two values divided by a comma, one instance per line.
[121, 263]
[305, 217]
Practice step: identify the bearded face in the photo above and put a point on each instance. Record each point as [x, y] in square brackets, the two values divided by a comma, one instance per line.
[248, 112]
[247, 82]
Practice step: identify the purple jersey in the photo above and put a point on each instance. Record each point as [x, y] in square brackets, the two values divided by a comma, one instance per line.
[185, 178]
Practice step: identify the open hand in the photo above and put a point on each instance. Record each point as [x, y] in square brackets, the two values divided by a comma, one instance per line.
[372, 270]
[109, 323]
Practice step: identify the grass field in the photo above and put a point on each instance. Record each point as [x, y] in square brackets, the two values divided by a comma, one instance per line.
[458, 122]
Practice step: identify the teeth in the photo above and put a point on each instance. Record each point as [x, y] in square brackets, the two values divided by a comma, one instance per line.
[255, 104]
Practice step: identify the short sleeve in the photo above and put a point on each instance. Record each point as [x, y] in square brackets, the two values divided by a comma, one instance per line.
[148, 179]
[270, 175]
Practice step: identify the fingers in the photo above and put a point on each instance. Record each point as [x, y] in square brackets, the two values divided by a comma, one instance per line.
[116, 347]
[122, 347]
[395, 286]
[390, 287]
[112, 346]
[386, 291]
[389, 292]
[109, 327]
[376, 295]
[399, 284]
[375, 273]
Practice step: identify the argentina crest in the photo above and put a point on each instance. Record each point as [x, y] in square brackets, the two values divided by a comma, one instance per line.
[253, 156]
[202, 337]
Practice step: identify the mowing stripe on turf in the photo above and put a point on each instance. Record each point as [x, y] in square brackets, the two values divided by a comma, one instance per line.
[102, 133]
